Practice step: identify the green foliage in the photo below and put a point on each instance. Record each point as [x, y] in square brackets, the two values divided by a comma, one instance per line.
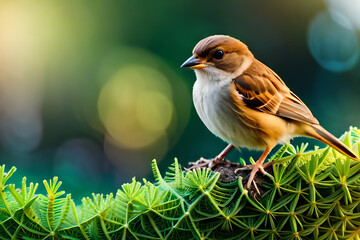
[311, 195]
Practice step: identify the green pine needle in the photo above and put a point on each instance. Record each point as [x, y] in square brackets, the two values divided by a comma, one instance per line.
[311, 195]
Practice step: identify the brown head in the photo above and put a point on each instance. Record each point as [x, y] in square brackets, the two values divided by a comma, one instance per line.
[220, 52]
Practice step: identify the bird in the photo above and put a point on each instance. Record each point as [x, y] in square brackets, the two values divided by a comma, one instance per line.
[245, 103]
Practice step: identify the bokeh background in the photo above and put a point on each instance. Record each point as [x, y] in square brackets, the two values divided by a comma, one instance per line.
[92, 91]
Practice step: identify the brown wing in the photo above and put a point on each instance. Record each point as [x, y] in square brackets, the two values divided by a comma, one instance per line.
[266, 92]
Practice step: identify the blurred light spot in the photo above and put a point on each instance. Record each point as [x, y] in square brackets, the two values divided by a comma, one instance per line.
[154, 111]
[21, 76]
[77, 160]
[333, 46]
[345, 12]
[135, 106]
[21, 132]
[341, 19]
[144, 107]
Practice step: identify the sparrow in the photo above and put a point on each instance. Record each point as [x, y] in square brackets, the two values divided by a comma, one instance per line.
[245, 103]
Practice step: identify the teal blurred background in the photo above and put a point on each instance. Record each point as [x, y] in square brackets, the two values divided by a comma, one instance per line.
[92, 91]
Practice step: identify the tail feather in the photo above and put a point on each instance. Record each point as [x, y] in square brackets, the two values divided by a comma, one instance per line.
[324, 136]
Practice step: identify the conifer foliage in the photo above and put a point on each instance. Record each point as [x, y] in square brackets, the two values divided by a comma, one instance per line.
[311, 195]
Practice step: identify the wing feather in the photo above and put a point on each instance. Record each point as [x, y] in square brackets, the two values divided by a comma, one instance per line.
[266, 92]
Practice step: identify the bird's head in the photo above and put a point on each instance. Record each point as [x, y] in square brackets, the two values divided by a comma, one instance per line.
[218, 53]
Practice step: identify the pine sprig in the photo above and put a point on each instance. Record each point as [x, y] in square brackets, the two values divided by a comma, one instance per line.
[311, 195]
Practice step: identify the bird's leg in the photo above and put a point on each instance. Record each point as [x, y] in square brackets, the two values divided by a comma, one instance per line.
[210, 163]
[266, 165]
[257, 166]
[248, 167]
[224, 152]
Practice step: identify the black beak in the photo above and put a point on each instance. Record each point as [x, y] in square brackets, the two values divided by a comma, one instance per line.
[193, 62]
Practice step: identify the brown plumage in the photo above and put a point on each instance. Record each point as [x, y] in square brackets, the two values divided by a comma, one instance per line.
[245, 103]
[265, 91]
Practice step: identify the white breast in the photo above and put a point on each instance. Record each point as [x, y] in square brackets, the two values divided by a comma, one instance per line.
[213, 104]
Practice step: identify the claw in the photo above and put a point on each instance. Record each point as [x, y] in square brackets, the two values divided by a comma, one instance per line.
[256, 187]
[255, 168]
[206, 163]
[247, 167]
[201, 163]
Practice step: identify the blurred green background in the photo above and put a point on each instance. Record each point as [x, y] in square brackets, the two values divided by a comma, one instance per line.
[92, 91]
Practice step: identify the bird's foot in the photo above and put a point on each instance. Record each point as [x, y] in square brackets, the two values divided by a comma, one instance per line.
[207, 163]
[254, 169]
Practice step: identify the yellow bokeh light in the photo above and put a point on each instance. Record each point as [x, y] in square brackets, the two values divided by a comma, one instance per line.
[135, 106]
[154, 111]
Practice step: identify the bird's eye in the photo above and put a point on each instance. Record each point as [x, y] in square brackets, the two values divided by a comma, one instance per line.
[218, 54]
